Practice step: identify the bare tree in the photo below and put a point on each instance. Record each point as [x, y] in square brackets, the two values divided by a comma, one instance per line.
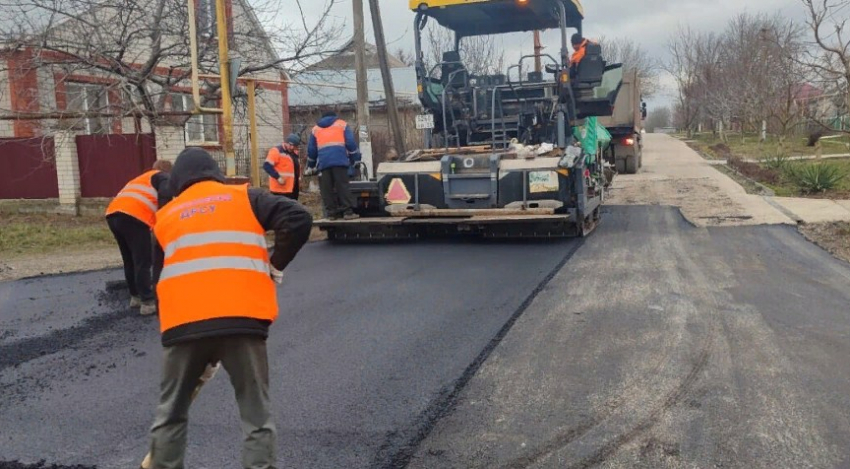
[633, 56]
[683, 65]
[786, 78]
[658, 117]
[405, 57]
[480, 54]
[137, 50]
[828, 22]
[745, 75]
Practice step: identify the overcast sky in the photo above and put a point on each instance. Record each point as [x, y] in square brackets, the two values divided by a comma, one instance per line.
[649, 22]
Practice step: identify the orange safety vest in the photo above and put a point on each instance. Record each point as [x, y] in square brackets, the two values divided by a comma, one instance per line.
[331, 136]
[137, 199]
[284, 165]
[216, 258]
[579, 54]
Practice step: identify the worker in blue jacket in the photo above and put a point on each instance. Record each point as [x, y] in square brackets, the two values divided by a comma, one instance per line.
[331, 152]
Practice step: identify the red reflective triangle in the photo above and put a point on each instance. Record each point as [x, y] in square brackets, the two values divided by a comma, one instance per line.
[397, 193]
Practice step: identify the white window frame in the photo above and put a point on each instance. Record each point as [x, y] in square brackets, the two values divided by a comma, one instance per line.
[86, 106]
[202, 120]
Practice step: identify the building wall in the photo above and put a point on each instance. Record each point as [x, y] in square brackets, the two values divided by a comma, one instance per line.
[6, 127]
[43, 90]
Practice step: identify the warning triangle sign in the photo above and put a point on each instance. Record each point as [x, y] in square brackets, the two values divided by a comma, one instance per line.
[397, 193]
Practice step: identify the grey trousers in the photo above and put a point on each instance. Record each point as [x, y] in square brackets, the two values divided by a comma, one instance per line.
[336, 196]
[246, 362]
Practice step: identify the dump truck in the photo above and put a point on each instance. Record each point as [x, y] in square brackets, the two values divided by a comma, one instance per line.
[503, 155]
[625, 152]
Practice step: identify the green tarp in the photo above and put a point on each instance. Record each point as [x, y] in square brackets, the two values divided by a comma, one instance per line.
[592, 136]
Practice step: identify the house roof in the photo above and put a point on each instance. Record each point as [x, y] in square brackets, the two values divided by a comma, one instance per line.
[308, 90]
[344, 59]
[807, 92]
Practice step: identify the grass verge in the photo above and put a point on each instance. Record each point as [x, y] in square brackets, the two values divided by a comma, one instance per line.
[22, 234]
[749, 147]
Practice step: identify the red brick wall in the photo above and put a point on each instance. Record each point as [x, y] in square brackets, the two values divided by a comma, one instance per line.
[23, 91]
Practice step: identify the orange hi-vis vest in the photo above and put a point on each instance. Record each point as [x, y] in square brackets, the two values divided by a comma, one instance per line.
[284, 165]
[216, 258]
[331, 136]
[137, 199]
[579, 54]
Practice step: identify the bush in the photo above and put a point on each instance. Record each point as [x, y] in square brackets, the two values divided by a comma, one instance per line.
[776, 163]
[816, 177]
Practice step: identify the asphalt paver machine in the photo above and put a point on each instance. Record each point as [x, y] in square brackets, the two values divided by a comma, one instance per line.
[506, 154]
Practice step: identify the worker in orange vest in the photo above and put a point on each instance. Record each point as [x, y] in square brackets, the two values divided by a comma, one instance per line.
[332, 152]
[130, 216]
[217, 299]
[282, 166]
[580, 50]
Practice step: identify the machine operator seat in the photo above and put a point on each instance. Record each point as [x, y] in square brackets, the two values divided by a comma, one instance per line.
[589, 71]
[454, 74]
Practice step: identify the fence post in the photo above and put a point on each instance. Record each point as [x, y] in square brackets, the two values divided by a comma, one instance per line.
[67, 172]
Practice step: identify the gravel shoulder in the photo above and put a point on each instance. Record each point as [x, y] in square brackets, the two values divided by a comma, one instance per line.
[75, 260]
[833, 237]
[674, 174]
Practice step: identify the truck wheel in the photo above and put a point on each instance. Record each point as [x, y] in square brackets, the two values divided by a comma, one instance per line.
[620, 165]
[640, 159]
[632, 164]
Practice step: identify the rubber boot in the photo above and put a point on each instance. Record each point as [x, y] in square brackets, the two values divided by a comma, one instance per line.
[135, 302]
[148, 308]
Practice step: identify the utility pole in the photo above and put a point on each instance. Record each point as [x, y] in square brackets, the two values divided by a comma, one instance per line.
[360, 67]
[392, 110]
[538, 50]
[226, 101]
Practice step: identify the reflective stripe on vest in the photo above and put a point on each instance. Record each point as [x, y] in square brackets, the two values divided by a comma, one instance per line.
[213, 263]
[141, 198]
[331, 136]
[216, 260]
[137, 199]
[215, 237]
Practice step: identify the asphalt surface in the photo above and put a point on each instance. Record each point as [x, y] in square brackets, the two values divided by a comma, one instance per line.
[651, 344]
[370, 341]
[661, 345]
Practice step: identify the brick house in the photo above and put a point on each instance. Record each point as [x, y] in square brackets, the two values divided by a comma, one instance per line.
[48, 82]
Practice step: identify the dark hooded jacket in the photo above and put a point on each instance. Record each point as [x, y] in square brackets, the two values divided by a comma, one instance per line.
[332, 156]
[289, 220]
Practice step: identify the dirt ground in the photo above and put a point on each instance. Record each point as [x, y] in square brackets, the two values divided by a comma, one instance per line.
[833, 237]
[673, 174]
[70, 260]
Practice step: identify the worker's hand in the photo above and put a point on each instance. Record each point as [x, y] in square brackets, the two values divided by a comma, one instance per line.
[310, 171]
[276, 275]
[281, 180]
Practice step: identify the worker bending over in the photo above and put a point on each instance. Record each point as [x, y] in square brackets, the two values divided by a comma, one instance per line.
[217, 299]
[130, 216]
[331, 152]
[282, 166]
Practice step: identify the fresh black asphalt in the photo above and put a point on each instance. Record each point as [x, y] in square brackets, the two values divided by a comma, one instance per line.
[650, 344]
[369, 341]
